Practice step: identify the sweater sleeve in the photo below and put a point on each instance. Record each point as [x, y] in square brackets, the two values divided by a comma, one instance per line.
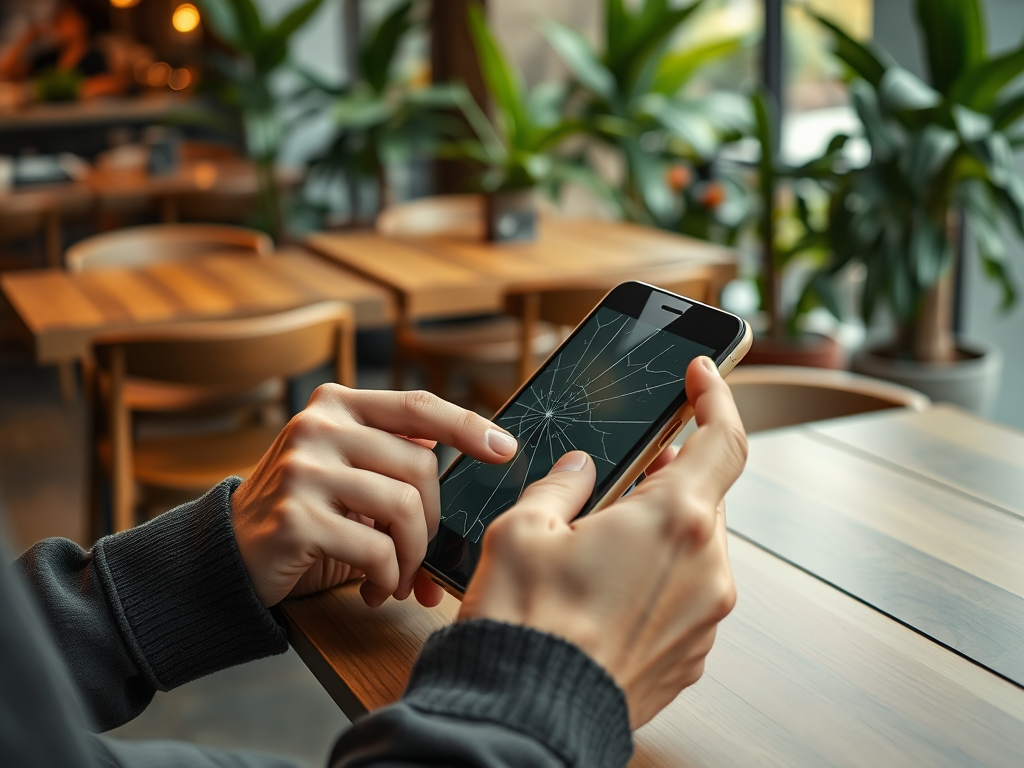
[152, 608]
[491, 695]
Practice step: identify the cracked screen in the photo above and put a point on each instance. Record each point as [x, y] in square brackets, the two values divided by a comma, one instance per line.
[600, 394]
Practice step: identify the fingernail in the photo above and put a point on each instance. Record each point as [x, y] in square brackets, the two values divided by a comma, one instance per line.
[708, 363]
[500, 442]
[571, 462]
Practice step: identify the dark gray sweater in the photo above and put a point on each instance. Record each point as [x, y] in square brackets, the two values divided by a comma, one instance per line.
[170, 601]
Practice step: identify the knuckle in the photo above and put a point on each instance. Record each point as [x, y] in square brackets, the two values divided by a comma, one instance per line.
[418, 401]
[725, 599]
[690, 522]
[296, 466]
[425, 464]
[407, 502]
[308, 424]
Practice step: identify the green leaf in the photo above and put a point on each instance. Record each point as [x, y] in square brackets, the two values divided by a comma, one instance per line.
[979, 87]
[765, 111]
[1007, 112]
[377, 52]
[616, 19]
[864, 60]
[971, 125]
[689, 125]
[954, 38]
[296, 18]
[824, 288]
[651, 27]
[544, 103]
[886, 138]
[250, 26]
[901, 90]
[504, 82]
[580, 58]
[649, 174]
[927, 152]
[220, 16]
[677, 67]
[359, 112]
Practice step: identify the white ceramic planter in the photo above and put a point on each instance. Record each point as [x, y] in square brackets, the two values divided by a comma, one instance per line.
[972, 382]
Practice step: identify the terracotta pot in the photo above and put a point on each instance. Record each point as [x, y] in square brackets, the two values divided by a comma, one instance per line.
[511, 215]
[810, 350]
[971, 382]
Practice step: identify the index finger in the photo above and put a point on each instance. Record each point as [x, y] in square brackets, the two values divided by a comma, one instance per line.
[712, 459]
[421, 415]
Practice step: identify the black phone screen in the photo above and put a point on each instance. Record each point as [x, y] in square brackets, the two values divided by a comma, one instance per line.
[606, 391]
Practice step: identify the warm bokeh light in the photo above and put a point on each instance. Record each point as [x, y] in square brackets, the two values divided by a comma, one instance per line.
[158, 74]
[141, 70]
[124, 3]
[205, 174]
[185, 18]
[180, 79]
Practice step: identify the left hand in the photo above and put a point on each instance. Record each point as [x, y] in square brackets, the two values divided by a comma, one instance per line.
[350, 488]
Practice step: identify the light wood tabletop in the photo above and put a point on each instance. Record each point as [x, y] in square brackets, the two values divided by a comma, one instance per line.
[63, 311]
[832, 658]
[445, 276]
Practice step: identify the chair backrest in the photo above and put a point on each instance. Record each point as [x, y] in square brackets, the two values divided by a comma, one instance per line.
[773, 396]
[461, 215]
[235, 353]
[138, 246]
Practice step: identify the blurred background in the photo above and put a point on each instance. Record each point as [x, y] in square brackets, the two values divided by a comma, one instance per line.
[853, 172]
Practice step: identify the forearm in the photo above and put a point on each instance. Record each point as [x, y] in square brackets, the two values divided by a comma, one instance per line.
[490, 695]
[151, 608]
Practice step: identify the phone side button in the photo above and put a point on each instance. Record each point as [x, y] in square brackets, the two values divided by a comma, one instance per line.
[672, 432]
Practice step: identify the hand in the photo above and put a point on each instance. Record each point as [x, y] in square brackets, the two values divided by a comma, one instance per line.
[639, 586]
[340, 493]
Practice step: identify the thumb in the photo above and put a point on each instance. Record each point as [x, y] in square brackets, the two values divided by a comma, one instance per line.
[563, 492]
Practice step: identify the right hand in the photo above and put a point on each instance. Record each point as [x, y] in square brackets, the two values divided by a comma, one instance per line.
[640, 586]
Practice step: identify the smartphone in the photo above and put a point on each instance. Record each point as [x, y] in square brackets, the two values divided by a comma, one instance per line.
[614, 388]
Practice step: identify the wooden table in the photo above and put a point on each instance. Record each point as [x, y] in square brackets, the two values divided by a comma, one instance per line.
[880, 570]
[64, 311]
[457, 275]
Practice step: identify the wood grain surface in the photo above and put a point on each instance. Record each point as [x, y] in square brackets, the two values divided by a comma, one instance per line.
[948, 445]
[801, 675]
[943, 562]
[63, 311]
[457, 275]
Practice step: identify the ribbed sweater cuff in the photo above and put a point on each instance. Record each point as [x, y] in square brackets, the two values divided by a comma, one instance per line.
[533, 682]
[181, 593]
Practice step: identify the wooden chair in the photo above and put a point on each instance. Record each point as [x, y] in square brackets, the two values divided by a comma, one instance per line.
[138, 246]
[33, 217]
[773, 396]
[494, 381]
[233, 354]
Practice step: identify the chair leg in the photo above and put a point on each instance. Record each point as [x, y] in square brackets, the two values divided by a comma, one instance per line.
[68, 387]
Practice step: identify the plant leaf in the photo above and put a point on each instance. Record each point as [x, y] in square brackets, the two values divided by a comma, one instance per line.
[689, 125]
[377, 52]
[901, 90]
[677, 67]
[250, 26]
[954, 37]
[580, 58]
[866, 61]
[504, 83]
[220, 16]
[651, 27]
[886, 139]
[980, 86]
[1007, 112]
[296, 17]
[927, 152]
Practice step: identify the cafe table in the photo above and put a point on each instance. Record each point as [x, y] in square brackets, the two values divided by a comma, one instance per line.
[457, 274]
[63, 312]
[879, 562]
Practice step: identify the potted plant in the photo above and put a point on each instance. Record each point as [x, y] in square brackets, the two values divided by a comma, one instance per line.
[941, 157]
[632, 97]
[381, 117]
[517, 150]
[257, 51]
[791, 241]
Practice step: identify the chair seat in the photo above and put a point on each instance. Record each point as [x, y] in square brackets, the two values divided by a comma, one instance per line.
[200, 461]
[493, 340]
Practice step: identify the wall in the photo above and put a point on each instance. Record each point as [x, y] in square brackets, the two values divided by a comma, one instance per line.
[894, 30]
